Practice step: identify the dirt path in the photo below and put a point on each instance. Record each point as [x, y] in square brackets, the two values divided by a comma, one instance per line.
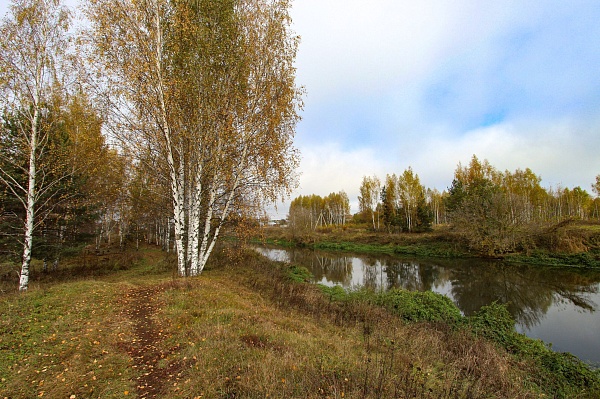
[155, 368]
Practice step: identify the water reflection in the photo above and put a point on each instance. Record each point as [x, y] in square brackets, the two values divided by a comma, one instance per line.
[529, 292]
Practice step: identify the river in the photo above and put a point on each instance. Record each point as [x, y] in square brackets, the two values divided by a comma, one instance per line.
[556, 305]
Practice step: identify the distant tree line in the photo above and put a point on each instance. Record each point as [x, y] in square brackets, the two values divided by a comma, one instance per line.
[499, 212]
[312, 211]
[495, 212]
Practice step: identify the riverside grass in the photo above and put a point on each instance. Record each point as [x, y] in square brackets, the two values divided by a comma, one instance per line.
[254, 329]
[576, 244]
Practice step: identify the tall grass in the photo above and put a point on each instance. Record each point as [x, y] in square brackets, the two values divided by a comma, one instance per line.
[256, 331]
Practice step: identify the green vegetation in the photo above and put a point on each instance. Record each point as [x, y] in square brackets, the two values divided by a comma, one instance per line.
[413, 306]
[561, 374]
[255, 329]
[64, 340]
[429, 250]
[582, 259]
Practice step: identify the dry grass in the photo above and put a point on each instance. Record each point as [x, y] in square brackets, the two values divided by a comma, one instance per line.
[248, 333]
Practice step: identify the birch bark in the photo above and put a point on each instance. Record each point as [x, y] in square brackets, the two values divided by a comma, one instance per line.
[31, 199]
[214, 93]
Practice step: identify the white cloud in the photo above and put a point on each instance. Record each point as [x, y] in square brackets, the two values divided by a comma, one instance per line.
[429, 83]
[328, 168]
[358, 46]
[560, 151]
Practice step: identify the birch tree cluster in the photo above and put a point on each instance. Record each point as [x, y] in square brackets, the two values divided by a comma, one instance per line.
[495, 211]
[401, 203]
[307, 213]
[198, 102]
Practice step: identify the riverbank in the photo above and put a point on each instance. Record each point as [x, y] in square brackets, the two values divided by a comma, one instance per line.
[250, 328]
[574, 244]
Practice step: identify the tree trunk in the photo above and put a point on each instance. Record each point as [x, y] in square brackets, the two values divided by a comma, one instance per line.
[168, 236]
[30, 210]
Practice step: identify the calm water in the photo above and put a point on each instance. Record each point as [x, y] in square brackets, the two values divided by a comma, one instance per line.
[556, 305]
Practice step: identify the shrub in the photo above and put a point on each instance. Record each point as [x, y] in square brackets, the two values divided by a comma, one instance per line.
[494, 322]
[562, 374]
[299, 274]
[420, 306]
[335, 293]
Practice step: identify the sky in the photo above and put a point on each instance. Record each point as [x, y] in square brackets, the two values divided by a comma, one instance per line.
[426, 84]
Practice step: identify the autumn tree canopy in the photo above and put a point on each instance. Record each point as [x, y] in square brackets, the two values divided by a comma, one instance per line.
[208, 88]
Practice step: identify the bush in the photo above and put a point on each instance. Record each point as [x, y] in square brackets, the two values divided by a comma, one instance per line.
[562, 374]
[495, 323]
[299, 274]
[420, 306]
[335, 293]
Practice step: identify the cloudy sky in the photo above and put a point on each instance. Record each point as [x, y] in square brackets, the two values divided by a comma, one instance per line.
[428, 83]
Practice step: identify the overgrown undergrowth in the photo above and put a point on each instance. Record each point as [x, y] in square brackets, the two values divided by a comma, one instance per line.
[254, 329]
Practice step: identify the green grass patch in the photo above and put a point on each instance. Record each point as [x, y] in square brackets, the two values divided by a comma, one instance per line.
[299, 274]
[438, 250]
[588, 260]
[411, 306]
[63, 341]
[561, 374]
[419, 306]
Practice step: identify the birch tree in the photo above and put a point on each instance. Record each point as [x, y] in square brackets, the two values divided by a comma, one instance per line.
[389, 201]
[368, 200]
[34, 41]
[208, 88]
[411, 196]
[596, 190]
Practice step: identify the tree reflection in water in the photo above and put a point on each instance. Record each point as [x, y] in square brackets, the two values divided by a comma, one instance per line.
[528, 291]
[560, 303]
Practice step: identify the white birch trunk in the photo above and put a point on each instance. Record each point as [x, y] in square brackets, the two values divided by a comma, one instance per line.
[189, 205]
[168, 235]
[194, 224]
[206, 247]
[177, 174]
[203, 255]
[30, 210]
[178, 216]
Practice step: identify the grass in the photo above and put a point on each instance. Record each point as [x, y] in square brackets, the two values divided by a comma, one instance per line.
[570, 243]
[255, 329]
[589, 259]
[62, 341]
[240, 345]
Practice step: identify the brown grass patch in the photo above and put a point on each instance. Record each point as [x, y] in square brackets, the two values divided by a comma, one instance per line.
[253, 334]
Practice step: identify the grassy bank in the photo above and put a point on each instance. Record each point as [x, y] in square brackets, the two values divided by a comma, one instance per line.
[570, 244]
[433, 244]
[252, 329]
